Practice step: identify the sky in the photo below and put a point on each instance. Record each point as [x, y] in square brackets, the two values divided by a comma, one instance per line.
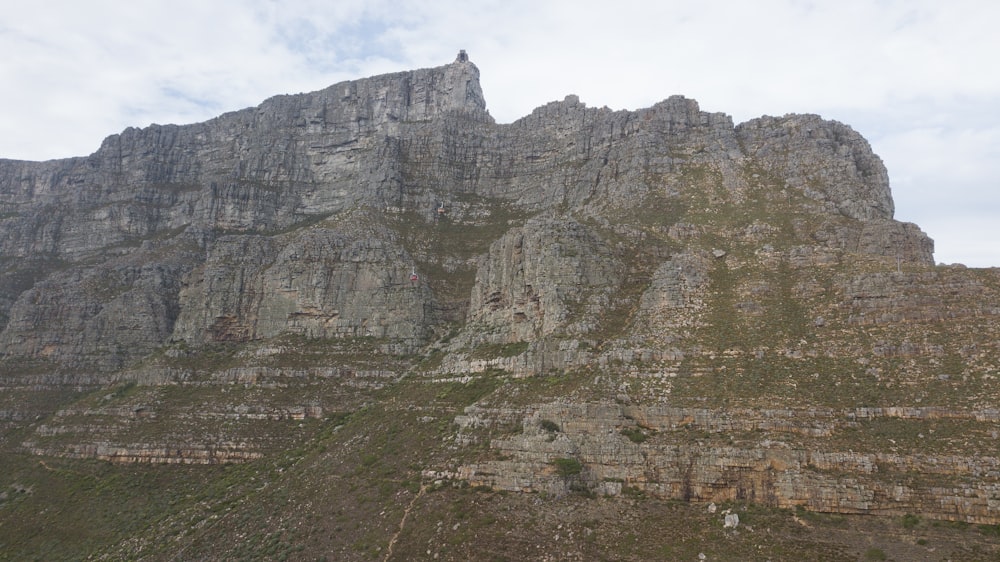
[920, 79]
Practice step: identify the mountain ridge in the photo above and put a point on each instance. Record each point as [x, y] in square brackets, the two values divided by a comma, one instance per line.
[615, 304]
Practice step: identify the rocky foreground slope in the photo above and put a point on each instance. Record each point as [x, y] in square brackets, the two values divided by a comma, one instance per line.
[377, 287]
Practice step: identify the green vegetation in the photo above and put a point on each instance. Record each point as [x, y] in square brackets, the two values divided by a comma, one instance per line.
[494, 350]
[567, 466]
[910, 521]
[634, 434]
[875, 554]
[990, 530]
[436, 243]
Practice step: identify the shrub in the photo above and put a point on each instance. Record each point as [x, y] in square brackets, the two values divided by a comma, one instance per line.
[875, 554]
[634, 434]
[990, 530]
[567, 467]
[549, 425]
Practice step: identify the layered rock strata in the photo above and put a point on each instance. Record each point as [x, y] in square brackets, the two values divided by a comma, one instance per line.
[717, 455]
[712, 311]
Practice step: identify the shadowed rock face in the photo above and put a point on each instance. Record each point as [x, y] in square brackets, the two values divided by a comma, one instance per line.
[680, 269]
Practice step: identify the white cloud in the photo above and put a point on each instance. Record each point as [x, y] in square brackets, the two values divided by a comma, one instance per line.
[915, 77]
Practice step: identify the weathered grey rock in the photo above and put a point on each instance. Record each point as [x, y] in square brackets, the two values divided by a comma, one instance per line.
[732, 520]
[676, 296]
[542, 278]
[104, 314]
[412, 141]
[825, 160]
[332, 280]
[258, 168]
[693, 280]
[670, 463]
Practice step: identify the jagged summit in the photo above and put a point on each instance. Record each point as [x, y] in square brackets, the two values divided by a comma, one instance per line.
[653, 303]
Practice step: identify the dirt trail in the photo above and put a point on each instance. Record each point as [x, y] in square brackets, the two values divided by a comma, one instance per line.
[402, 523]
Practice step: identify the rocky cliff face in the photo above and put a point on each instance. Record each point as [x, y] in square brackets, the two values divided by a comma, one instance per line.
[699, 310]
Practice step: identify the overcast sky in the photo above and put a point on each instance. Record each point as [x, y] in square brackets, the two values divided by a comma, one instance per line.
[920, 79]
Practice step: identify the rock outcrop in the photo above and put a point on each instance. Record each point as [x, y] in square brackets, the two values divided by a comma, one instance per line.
[765, 456]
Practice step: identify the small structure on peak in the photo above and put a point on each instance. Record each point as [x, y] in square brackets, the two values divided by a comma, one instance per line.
[462, 56]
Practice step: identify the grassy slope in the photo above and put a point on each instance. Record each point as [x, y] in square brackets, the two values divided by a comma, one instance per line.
[344, 492]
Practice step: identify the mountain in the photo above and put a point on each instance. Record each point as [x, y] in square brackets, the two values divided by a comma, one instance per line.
[371, 322]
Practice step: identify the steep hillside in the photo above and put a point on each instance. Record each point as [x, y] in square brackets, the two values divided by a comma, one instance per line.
[371, 323]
